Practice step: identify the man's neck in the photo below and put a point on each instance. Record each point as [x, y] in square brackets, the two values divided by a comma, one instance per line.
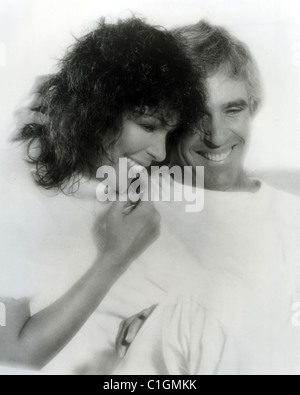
[242, 184]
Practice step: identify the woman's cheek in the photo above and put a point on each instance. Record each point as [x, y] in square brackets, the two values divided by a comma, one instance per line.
[137, 141]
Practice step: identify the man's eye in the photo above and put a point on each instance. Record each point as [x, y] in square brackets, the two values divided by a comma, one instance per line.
[234, 111]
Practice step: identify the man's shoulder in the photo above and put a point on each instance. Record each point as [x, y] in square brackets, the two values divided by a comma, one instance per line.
[287, 180]
[281, 194]
[285, 206]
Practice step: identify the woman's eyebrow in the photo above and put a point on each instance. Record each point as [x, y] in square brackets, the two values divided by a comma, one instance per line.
[151, 119]
[157, 122]
[148, 117]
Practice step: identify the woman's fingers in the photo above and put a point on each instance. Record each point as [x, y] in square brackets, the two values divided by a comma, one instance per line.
[133, 330]
[146, 313]
[129, 329]
[32, 111]
[127, 335]
[120, 341]
[39, 82]
[34, 102]
[130, 231]
[26, 116]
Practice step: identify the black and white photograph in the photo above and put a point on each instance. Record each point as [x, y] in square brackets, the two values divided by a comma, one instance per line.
[150, 190]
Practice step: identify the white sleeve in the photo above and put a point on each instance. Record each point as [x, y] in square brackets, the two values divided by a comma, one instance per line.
[20, 227]
[17, 277]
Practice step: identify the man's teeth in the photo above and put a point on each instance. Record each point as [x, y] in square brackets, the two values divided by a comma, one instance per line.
[217, 157]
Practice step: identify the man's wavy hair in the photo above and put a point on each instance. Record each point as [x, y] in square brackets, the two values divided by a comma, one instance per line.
[214, 49]
[115, 70]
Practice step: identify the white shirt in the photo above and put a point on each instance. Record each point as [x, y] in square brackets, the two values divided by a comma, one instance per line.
[235, 317]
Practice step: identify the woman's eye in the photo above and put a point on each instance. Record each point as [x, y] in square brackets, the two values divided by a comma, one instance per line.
[148, 128]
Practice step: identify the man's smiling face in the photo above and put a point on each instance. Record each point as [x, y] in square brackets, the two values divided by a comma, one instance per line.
[221, 143]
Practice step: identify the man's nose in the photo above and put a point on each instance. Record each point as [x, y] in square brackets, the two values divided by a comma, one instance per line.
[158, 148]
[216, 133]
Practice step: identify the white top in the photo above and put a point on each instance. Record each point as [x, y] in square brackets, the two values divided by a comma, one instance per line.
[47, 245]
[222, 328]
[42, 232]
[236, 316]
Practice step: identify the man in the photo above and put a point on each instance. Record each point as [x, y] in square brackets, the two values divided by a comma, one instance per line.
[235, 315]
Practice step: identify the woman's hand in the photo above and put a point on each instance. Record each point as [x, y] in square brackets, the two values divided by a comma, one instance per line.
[129, 329]
[127, 235]
[31, 110]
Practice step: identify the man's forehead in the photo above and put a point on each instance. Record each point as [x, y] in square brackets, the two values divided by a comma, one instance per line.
[223, 90]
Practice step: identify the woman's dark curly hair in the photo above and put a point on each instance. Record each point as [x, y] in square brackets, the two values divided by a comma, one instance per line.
[116, 69]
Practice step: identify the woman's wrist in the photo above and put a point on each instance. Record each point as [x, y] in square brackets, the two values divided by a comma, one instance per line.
[112, 263]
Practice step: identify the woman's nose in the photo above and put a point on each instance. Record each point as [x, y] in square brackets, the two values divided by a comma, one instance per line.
[216, 133]
[158, 148]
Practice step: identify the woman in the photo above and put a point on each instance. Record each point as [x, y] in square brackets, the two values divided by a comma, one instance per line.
[118, 93]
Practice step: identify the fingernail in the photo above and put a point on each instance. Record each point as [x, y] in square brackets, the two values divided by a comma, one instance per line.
[128, 339]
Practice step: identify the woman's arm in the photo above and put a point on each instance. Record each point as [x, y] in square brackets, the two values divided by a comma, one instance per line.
[36, 340]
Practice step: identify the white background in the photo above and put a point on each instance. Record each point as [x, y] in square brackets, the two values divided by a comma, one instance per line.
[34, 33]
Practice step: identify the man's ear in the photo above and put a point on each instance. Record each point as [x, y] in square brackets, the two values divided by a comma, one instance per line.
[255, 107]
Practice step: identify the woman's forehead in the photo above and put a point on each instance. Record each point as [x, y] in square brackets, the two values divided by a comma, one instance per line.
[162, 115]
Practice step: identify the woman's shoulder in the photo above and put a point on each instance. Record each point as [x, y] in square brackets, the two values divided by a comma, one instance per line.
[20, 231]
[21, 204]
